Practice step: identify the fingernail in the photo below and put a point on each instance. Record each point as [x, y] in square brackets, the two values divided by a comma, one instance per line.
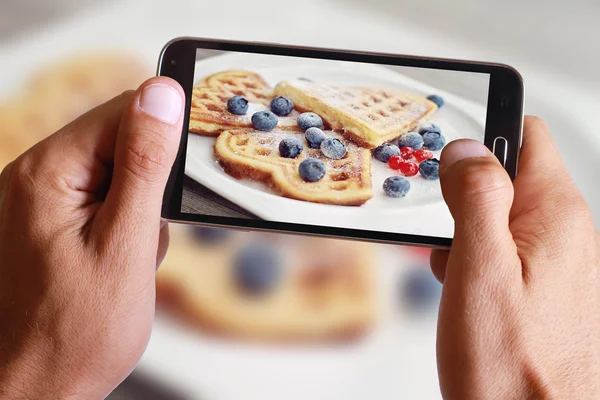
[161, 102]
[460, 149]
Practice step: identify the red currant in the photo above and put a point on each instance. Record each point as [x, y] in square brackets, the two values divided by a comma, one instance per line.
[421, 251]
[394, 162]
[423, 154]
[409, 168]
[406, 152]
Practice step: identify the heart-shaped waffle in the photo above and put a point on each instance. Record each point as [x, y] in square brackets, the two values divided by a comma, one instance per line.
[209, 115]
[368, 116]
[251, 154]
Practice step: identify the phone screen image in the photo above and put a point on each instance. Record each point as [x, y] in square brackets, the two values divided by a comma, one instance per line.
[325, 143]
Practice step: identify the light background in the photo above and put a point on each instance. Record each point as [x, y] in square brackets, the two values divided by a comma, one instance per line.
[554, 44]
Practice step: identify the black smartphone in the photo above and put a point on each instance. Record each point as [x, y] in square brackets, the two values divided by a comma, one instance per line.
[329, 142]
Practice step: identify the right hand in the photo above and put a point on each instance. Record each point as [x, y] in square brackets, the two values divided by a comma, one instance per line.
[520, 310]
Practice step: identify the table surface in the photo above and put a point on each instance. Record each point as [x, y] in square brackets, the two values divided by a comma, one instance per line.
[198, 199]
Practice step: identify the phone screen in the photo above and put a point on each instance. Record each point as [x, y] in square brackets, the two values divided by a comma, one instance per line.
[325, 143]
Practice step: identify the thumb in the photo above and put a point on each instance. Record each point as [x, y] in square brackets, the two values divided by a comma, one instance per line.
[482, 268]
[146, 146]
[479, 194]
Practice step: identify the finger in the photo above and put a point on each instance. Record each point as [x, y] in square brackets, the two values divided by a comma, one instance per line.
[163, 243]
[92, 136]
[146, 147]
[4, 179]
[540, 168]
[548, 208]
[438, 261]
[479, 194]
[75, 161]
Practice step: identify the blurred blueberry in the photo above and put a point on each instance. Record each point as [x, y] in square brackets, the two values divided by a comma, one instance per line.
[209, 234]
[257, 268]
[419, 289]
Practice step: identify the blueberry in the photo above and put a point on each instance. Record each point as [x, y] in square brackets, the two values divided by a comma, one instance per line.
[429, 128]
[312, 170]
[333, 148]
[309, 120]
[257, 268]
[430, 169]
[436, 99]
[290, 147]
[433, 140]
[412, 139]
[420, 289]
[396, 186]
[237, 105]
[210, 235]
[282, 106]
[314, 136]
[385, 151]
[264, 120]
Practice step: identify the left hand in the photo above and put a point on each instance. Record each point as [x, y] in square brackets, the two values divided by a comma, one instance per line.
[80, 240]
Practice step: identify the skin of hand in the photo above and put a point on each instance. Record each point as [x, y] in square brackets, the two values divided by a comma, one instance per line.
[80, 240]
[520, 310]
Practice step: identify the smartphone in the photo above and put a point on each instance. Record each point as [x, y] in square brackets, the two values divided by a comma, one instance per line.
[329, 142]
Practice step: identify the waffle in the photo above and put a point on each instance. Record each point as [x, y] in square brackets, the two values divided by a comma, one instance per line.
[367, 116]
[209, 115]
[66, 90]
[327, 291]
[255, 155]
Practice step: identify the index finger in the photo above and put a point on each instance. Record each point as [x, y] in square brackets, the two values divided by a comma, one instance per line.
[81, 153]
[548, 209]
[541, 174]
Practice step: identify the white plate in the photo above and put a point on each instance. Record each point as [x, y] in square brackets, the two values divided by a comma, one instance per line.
[422, 211]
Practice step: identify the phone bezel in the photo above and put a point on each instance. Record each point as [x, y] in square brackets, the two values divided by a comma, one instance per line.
[504, 119]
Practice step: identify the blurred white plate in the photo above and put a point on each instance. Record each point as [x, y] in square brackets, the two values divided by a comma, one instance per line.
[396, 357]
[422, 211]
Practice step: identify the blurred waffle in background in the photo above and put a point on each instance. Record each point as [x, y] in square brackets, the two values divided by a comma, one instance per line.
[61, 92]
[269, 286]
